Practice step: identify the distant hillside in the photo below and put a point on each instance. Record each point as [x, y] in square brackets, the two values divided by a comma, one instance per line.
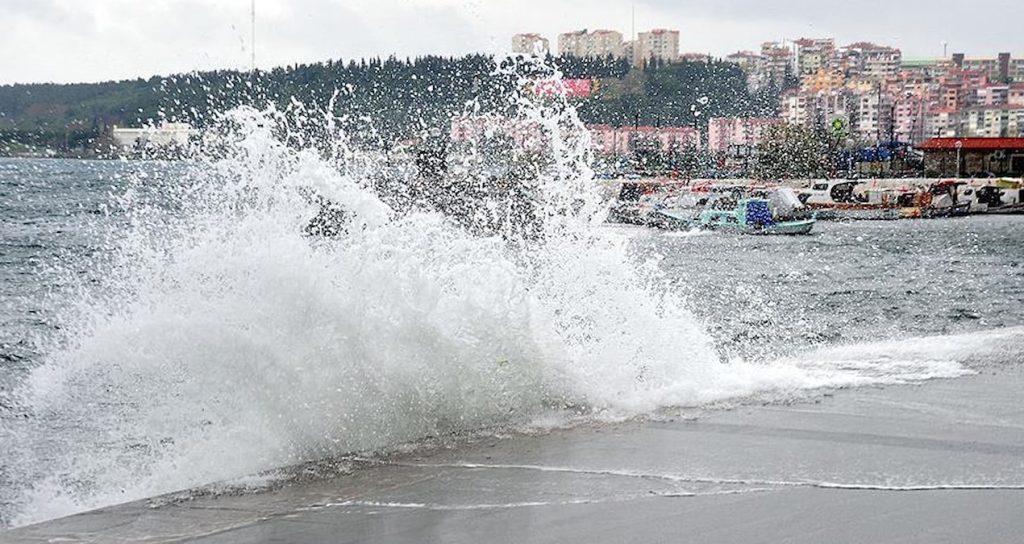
[401, 96]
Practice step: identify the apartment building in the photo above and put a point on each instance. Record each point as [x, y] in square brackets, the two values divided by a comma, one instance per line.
[608, 140]
[908, 117]
[813, 55]
[753, 66]
[992, 95]
[814, 109]
[942, 123]
[595, 44]
[1015, 96]
[1001, 69]
[530, 44]
[871, 121]
[777, 62]
[1003, 121]
[869, 60]
[726, 134]
[659, 43]
[822, 81]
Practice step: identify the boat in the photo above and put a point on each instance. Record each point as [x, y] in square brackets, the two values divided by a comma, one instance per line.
[999, 196]
[941, 199]
[638, 200]
[781, 213]
[841, 199]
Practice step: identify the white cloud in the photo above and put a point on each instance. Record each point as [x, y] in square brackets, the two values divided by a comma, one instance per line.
[91, 40]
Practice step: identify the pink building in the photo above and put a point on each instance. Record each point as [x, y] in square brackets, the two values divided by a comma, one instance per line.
[524, 133]
[993, 95]
[1015, 97]
[726, 132]
[909, 121]
[608, 140]
[572, 88]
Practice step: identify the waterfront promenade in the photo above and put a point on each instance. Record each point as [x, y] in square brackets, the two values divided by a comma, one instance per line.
[939, 462]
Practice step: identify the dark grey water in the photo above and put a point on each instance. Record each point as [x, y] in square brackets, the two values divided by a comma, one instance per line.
[760, 296]
[58, 219]
[852, 282]
[760, 299]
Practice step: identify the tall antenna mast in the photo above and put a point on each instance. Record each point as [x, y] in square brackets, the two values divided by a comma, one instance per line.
[632, 24]
[252, 28]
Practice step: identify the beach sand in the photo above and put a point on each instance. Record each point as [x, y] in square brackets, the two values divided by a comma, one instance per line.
[936, 462]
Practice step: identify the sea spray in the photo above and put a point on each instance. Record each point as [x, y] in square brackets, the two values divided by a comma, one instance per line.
[225, 340]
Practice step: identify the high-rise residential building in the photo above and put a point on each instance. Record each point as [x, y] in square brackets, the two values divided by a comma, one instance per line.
[813, 55]
[871, 120]
[660, 44]
[908, 120]
[1002, 121]
[876, 62]
[530, 44]
[942, 123]
[595, 44]
[1015, 122]
[748, 60]
[822, 80]
[777, 62]
[1001, 69]
[796, 108]
[753, 66]
[572, 43]
[992, 95]
[1016, 71]
[1015, 96]
[815, 109]
[986, 121]
[958, 88]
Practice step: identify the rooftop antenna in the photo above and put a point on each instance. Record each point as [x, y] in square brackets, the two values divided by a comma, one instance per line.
[252, 28]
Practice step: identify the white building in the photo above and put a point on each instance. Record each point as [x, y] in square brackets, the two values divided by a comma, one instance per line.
[993, 121]
[871, 108]
[530, 44]
[596, 44]
[818, 108]
[752, 65]
[942, 123]
[164, 135]
[659, 44]
[812, 55]
[875, 62]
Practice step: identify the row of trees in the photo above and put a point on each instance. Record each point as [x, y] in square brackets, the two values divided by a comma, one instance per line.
[383, 99]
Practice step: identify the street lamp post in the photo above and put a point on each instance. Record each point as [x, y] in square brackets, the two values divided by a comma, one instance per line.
[958, 145]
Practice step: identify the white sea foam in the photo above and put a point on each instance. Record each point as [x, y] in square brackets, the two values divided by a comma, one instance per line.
[227, 342]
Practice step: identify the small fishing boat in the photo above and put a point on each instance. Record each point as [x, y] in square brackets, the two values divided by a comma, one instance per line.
[1000, 196]
[849, 200]
[749, 216]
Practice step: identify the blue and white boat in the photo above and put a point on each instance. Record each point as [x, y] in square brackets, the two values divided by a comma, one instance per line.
[778, 214]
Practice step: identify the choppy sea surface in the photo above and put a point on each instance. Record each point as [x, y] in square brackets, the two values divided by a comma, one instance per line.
[208, 338]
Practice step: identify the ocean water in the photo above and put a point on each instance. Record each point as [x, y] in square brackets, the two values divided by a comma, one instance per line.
[169, 325]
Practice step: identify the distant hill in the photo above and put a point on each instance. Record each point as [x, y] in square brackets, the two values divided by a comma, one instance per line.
[400, 96]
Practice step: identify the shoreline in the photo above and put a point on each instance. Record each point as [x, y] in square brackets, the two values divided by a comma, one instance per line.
[942, 460]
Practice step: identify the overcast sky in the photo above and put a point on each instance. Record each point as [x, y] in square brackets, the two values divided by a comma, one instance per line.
[94, 40]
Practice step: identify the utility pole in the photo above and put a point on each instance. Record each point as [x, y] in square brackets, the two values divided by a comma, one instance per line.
[632, 25]
[252, 28]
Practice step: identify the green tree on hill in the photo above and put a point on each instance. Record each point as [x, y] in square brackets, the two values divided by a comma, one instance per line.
[789, 151]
